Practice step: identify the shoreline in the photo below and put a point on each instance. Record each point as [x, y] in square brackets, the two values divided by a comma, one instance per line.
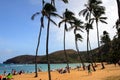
[100, 74]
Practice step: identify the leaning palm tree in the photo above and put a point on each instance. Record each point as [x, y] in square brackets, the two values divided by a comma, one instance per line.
[39, 36]
[78, 37]
[67, 17]
[97, 13]
[77, 26]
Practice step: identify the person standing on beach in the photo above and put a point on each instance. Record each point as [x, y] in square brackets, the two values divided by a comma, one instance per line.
[89, 70]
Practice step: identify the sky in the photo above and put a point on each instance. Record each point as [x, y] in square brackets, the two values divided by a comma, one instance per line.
[18, 33]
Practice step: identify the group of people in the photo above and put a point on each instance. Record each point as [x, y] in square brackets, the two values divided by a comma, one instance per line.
[8, 77]
[63, 70]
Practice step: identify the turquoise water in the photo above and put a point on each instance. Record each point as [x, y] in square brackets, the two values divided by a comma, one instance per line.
[31, 67]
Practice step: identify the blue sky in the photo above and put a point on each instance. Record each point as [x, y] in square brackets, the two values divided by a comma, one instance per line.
[18, 33]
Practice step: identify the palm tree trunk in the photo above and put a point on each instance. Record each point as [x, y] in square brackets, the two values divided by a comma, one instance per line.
[83, 65]
[118, 5]
[88, 46]
[93, 61]
[99, 45]
[36, 74]
[65, 51]
[89, 59]
[47, 46]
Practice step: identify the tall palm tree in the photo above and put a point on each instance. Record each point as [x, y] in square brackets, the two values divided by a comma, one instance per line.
[48, 11]
[87, 12]
[77, 26]
[97, 13]
[67, 17]
[39, 36]
[89, 26]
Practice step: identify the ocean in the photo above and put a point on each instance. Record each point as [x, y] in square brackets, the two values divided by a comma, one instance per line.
[29, 68]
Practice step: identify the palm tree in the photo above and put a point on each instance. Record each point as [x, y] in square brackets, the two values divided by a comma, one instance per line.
[89, 8]
[87, 13]
[89, 26]
[77, 26]
[79, 37]
[39, 36]
[48, 11]
[106, 44]
[67, 17]
[97, 13]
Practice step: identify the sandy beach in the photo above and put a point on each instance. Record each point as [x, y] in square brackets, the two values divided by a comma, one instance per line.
[109, 73]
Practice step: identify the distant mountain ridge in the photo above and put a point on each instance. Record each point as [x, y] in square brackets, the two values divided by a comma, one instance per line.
[55, 57]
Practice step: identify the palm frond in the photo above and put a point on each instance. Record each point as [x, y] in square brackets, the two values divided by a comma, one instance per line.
[98, 2]
[61, 22]
[51, 20]
[81, 12]
[49, 8]
[103, 18]
[87, 16]
[79, 37]
[85, 12]
[103, 21]
[68, 14]
[65, 1]
[91, 20]
[53, 2]
[55, 14]
[37, 13]
[79, 29]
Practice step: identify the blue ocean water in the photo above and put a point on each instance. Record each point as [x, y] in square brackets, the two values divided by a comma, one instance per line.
[31, 67]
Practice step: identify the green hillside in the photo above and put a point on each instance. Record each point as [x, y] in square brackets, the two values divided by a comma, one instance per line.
[55, 57]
